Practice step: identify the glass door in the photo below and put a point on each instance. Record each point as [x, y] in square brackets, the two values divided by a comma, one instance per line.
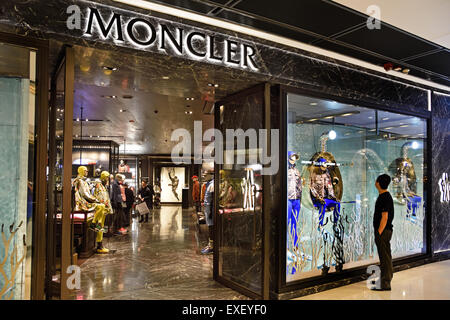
[239, 259]
[59, 224]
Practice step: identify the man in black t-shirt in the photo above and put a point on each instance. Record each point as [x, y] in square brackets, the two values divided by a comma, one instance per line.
[382, 225]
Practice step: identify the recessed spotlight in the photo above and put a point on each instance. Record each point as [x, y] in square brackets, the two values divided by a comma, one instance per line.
[215, 85]
[384, 119]
[346, 114]
[122, 110]
[76, 136]
[78, 119]
[90, 136]
[98, 136]
[189, 99]
[313, 104]
[329, 117]
[87, 120]
[370, 117]
[166, 78]
[188, 112]
[109, 68]
[404, 126]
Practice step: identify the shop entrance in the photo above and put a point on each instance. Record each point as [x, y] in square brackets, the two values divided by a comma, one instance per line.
[116, 112]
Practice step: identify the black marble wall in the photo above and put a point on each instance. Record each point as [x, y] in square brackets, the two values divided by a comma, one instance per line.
[277, 63]
[440, 227]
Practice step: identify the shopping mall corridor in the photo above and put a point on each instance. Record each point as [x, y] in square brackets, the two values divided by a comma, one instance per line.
[427, 282]
[157, 260]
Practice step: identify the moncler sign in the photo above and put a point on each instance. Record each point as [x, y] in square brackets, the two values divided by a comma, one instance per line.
[154, 34]
[444, 187]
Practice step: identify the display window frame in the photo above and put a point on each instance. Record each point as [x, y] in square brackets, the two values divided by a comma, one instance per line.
[359, 272]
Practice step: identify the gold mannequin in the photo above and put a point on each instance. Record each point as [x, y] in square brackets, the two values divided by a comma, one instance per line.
[84, 201]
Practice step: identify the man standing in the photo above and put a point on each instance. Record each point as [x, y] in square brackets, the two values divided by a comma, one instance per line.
[116, 201]
[146, 195]
[382, 224]
[209, 211]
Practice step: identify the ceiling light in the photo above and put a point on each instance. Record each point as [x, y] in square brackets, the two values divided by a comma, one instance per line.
[188, 112]
[313, 104]
[312, 120]
[109, 68]
[90, 136]
[58, 119]
[78, 119]
[370, 117]
[332, 135]
[189, 99]
[415, 145]
[384, 119]
[405, 71]
[98, 136]
[215, 85]
[329, 117]
[387, 128]
[166, 78]
[87, 120]
[404, 126]
[346, 114]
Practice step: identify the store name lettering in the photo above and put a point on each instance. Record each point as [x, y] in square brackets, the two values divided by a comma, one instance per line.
[142, 34]
[444, 187]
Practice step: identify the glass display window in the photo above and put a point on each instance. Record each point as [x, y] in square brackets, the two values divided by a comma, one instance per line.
[335, 152]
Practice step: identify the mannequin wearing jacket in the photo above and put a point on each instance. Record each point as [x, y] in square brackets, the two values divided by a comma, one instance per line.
[294, 200]
[84, 201]
[102, 195]
[322, 192]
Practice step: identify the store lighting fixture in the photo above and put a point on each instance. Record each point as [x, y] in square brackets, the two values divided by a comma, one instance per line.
[189, 99]
[188, 112]
[109, 97]
[332, 134]
[87, 120]
[78, 119]
[166, 78]
[109, 68]
[384, 119]
[312, 120]
[404, 126]
[215, 85]
[58, 119]
[313, 104]
[415, 145]
[347, 114]
[370, 117]
[387, 128]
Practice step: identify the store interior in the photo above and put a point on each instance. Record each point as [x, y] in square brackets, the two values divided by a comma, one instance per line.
[126, 106]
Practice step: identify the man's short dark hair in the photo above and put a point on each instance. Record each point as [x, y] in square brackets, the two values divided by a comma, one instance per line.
[384, 180]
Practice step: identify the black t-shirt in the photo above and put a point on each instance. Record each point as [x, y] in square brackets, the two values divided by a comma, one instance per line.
[384, 203]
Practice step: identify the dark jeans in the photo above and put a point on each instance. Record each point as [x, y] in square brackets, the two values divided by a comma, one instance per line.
[119, 217]
[384, 253]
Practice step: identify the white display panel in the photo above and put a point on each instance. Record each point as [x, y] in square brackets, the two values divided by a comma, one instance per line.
[172, 182]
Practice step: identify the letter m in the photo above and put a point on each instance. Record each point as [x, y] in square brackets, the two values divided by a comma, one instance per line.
[114, 19]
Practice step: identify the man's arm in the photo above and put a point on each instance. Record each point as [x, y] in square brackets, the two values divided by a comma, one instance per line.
[383, 222]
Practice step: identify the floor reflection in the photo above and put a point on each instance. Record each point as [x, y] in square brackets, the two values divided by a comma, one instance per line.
[157, 260]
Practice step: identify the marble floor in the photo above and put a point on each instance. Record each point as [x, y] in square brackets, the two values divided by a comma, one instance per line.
[158, 260]
[427, 282]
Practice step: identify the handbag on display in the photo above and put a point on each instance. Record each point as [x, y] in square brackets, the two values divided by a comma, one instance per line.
[142, 208]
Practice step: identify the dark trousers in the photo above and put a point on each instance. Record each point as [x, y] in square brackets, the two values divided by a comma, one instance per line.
[119, 217]
[384, 253]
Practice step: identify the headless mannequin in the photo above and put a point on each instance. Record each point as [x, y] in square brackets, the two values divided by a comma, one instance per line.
[84, 201]
[102, 196]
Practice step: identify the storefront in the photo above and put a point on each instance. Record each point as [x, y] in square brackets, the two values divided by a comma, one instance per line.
[307, 226]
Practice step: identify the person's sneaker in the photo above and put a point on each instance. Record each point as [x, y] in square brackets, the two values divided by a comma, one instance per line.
[207, 250]
[102, 250]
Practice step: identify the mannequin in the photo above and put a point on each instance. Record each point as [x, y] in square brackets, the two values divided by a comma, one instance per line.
[322, 192]
[209, 210]
[84, 201]
[102, 196]
[294, 200]
[123, 166]
[175, 180]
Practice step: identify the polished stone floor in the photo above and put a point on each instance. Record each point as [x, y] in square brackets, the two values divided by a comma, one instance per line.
[157, 260]
[427, 282]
